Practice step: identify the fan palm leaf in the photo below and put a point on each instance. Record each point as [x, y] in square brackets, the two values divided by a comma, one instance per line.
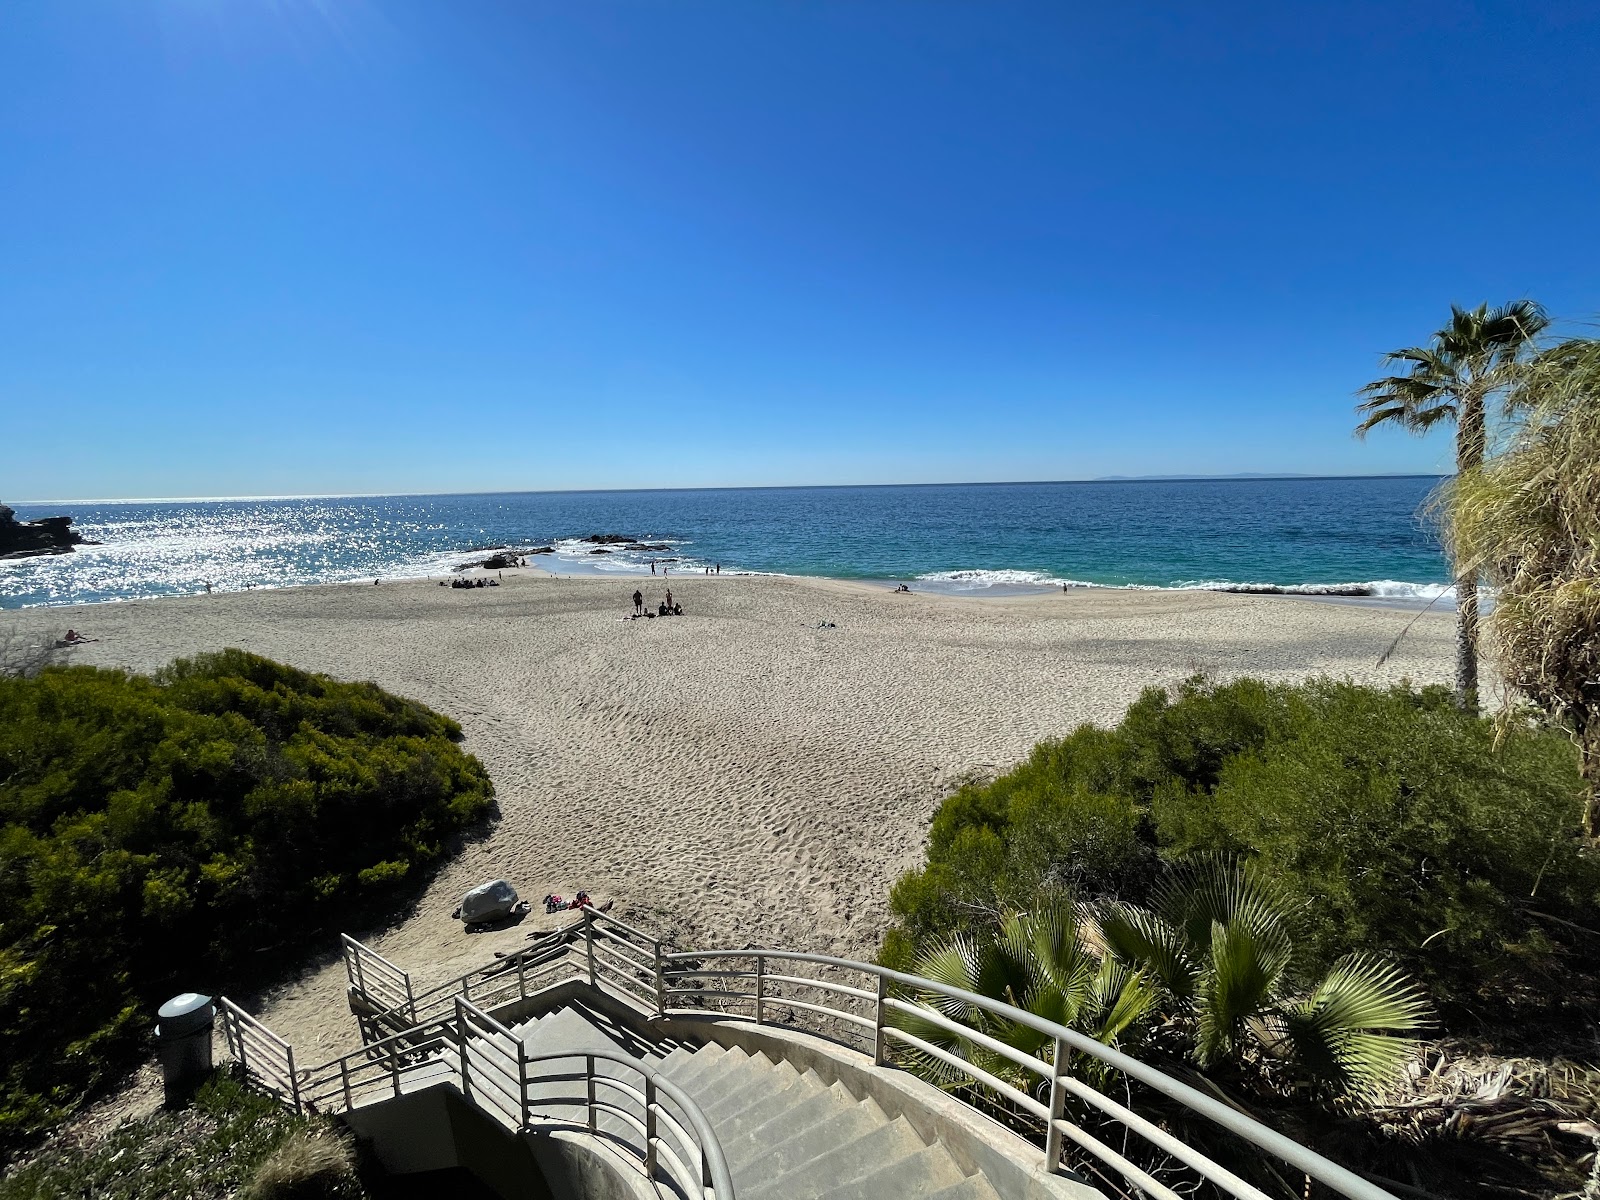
[1344, 1035]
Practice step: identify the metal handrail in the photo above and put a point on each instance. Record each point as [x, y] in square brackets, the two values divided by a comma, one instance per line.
[673, 970]
[1302, 1158]
[486, 1062]
[239, 1028]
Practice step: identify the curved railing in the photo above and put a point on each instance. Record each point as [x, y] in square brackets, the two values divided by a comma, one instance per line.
[616, 956]
[871, 1011]
[492, 1067]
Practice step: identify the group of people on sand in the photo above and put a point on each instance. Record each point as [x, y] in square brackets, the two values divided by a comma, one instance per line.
[712, 569]
[458, 582]
[667, 607]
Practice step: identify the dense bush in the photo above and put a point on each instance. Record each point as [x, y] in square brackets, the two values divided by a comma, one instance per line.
[1396, 823]
[165, 831]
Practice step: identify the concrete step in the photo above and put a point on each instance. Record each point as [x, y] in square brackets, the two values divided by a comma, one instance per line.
[686, 1072]
[781, 1145]
[728, 1093]
[927, 1171]
[881, 1146]
[786, 1092]
[973, 1187]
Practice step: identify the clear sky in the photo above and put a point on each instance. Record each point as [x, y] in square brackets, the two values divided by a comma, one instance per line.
[325, 246]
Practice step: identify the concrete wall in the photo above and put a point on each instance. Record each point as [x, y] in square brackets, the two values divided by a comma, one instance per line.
[436, 1129]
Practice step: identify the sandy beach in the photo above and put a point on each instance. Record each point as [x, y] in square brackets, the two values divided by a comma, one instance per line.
[738, 775]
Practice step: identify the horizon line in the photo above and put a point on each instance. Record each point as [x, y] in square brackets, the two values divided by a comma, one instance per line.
[1236, 477]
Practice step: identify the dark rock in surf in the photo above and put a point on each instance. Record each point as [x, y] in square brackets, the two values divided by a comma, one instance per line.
[25, 539]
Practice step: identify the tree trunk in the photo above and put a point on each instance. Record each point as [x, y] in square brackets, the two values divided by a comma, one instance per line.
[1467, 641]
[1471, 446]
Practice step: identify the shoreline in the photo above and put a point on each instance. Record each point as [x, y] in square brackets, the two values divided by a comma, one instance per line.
[955, 589]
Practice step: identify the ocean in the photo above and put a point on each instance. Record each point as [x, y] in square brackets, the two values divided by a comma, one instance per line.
[1344, 536]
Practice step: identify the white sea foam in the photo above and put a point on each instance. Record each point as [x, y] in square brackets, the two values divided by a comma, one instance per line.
[1379, 589]
[990, 578]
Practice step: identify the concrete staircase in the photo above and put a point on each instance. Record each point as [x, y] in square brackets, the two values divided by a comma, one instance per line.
[787, 1134]
[790, 1136]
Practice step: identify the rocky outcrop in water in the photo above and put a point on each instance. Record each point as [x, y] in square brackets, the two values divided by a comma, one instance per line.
[24, 539]
[609, 539]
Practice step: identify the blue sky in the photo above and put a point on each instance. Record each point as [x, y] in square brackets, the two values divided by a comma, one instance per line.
[325, 246]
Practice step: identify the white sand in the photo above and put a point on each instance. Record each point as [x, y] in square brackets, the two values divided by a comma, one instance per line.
[737, 774]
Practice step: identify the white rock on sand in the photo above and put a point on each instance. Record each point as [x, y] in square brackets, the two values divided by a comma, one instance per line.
[737, 774]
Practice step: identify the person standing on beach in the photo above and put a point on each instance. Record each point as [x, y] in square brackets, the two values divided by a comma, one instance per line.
[638, 602]
[652, 566]
[669, 599]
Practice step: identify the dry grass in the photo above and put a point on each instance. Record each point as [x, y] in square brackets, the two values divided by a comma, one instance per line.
[1546, 1113]
[311, 1164]
[1529, 520]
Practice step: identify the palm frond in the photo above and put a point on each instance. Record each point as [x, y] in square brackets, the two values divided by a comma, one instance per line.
[1206, 890]
[1343, 1034]
[1140, 938]
[1244, 975]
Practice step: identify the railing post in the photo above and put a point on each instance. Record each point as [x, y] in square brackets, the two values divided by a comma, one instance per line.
[880, 1039]
[649, 1126]
[294, 1081]
[661, 984]
[411, 1000]
[588, 940]
[461, 1039]
[238, 1039]
[588, 1060]
[522, 976]
[360, 976]
[522, 1079]
[761, 989]
[1058, 1108]
[344, 1078]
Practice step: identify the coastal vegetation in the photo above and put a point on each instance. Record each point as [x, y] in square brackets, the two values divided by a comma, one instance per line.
[1206, 967]
[1528, 518]
[185, 832]
[1278, 888]
[1469, 363]
[1391, 821]
[230, 1142]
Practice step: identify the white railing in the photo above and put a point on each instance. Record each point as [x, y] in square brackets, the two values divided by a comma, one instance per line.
[393, 1006]
[759, 992]
[855, 1001]
[261, 1054]
[491, 1066]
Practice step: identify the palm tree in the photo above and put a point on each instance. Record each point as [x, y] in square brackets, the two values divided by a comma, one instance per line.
[1041, 962]
[1210, 959]
[1472, 359]
[1216, 938]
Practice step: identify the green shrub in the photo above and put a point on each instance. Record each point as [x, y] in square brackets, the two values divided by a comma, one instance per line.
[1396, 823]
[158, 834]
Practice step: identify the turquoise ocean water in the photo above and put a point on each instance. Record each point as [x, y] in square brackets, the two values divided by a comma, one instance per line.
[1308, 535]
